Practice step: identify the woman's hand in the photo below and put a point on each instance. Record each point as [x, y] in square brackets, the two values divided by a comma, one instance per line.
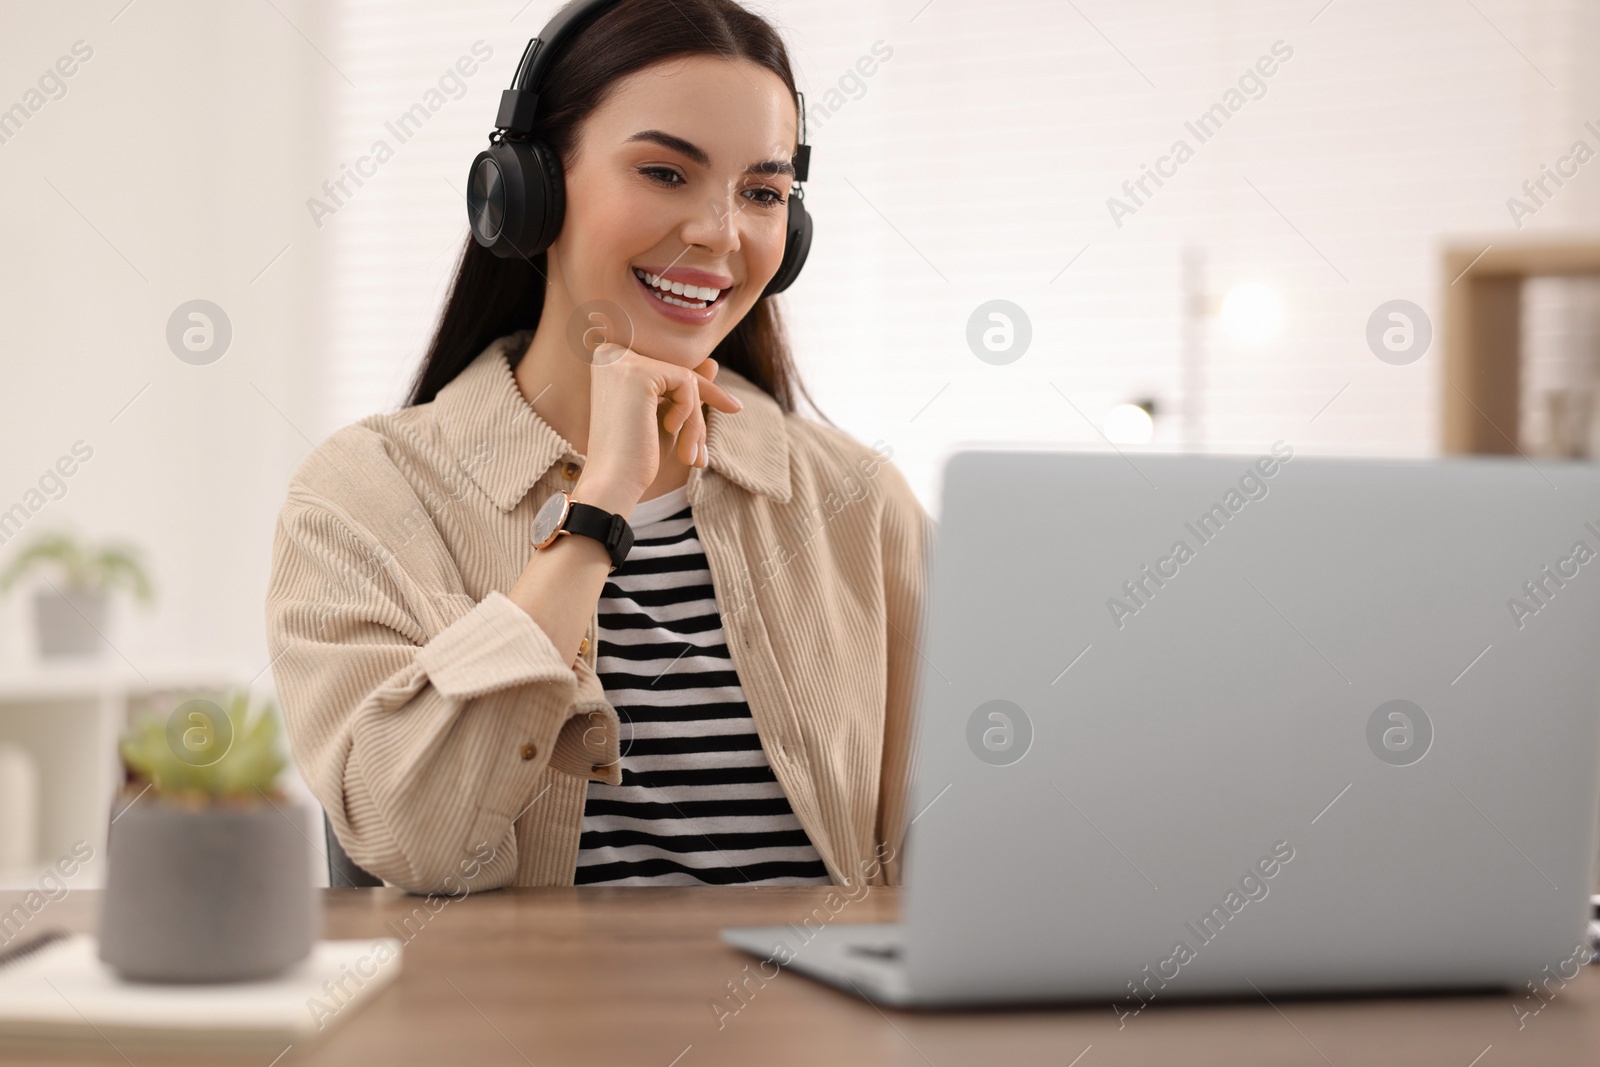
[633, 400]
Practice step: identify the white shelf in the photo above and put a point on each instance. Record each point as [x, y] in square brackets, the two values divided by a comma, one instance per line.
[68, 716]
[72, 679]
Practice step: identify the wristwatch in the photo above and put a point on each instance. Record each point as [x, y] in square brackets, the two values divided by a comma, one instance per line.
[562, 515]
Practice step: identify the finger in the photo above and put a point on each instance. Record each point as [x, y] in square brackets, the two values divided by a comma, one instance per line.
[719, 397]
[709, 393]
[685, 401]
[692, 434]
[695, 436]
[707, 369]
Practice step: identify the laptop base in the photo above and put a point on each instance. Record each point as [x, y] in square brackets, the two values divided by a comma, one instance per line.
[865, 959]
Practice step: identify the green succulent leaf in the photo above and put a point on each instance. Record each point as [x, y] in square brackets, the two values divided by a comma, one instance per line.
[200, 747]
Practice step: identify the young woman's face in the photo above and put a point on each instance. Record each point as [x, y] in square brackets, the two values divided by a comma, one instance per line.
[682, 174]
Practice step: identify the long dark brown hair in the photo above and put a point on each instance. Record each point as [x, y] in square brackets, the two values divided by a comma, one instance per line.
[491, 297]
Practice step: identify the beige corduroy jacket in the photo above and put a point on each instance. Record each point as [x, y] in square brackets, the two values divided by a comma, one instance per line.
[435, 721]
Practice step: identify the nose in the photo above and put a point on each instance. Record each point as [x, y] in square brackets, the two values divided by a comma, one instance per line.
[715, 225]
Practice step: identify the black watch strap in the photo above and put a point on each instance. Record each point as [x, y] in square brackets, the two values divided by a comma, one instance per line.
[610, 530]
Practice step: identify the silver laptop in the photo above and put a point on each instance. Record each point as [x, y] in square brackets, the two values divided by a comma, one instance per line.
[1243, 725]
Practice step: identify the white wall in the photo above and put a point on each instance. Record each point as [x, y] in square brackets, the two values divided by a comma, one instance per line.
[172, 169]
[987, 145]
[993, 144]
[169, 171]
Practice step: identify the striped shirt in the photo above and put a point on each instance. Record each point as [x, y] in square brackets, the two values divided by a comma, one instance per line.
[698, 801]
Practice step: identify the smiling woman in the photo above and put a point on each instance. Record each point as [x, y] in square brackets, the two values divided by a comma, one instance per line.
[548, 672]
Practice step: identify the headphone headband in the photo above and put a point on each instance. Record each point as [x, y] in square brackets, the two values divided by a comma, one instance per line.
[519, 104]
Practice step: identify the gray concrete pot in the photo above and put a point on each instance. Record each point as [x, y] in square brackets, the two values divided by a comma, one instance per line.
[215, 894]
[69, 623]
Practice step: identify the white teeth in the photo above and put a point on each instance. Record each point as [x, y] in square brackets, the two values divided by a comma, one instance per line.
[691, 292]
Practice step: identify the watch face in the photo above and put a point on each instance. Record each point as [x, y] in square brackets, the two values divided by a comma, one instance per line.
[548, 520]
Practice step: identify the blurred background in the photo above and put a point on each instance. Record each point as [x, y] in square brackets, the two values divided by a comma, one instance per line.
[1358, 226]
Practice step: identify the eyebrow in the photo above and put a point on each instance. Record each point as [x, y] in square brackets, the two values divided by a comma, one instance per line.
[698, 154]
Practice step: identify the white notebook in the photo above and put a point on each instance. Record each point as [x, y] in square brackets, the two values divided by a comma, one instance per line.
[63, 994]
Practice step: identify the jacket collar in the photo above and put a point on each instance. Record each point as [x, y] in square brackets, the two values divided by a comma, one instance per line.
[494, 434]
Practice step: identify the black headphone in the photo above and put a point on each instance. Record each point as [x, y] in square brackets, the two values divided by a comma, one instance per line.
[516, 198]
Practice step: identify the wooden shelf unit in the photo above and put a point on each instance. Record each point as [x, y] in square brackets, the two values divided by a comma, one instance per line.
[1481, 404]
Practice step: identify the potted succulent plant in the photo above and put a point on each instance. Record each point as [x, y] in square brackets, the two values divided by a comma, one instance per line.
[70, 615]
[209, 874]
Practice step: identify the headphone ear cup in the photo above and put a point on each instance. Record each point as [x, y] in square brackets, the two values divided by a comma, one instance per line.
[796, 246]
[516, 198]
[547, 197]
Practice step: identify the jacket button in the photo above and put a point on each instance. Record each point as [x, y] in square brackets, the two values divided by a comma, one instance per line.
[571, 471]
[583, 646]
[530, 750]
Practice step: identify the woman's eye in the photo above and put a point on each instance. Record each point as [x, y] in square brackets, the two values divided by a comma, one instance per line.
[672, 179]
[662, 175]
[771, 197]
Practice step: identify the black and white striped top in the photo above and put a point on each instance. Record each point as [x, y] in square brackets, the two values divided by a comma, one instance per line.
[698, 801]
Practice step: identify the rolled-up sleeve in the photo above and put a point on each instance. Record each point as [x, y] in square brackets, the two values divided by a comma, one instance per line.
[420, 718]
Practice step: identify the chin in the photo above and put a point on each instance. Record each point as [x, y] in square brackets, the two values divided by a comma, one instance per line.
[679, 351]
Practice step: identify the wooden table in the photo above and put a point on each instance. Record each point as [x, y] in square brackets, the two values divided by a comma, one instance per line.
[607, 976]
